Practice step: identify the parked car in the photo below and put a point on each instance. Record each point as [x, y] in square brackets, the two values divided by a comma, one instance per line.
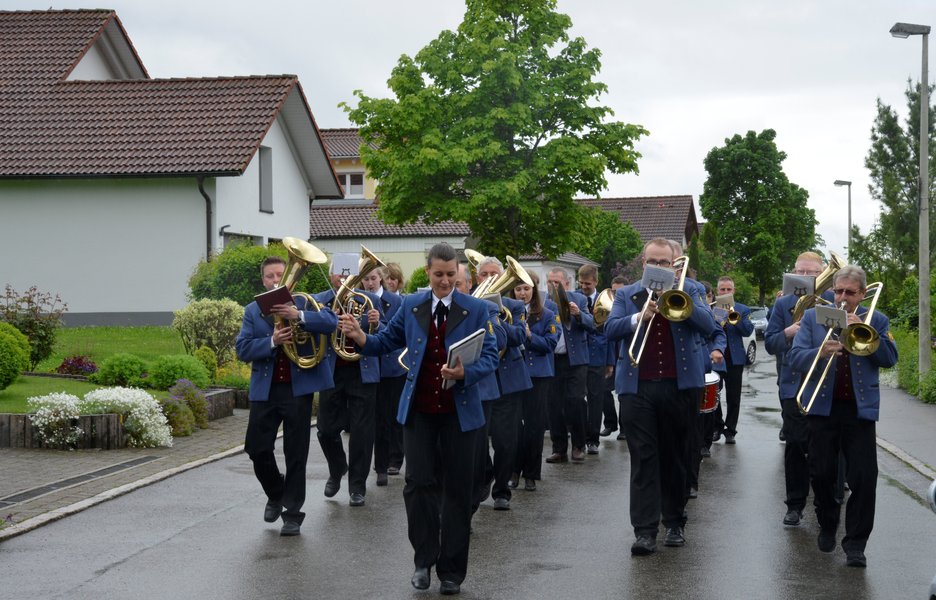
[750, 349]
[759, 318]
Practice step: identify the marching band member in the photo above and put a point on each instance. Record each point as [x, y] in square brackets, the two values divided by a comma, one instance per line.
[843, 416]
[281, 392]
[440, 426]
[600, 362]
[612, 418]
[735, 360]
[659, 396]
[393, 278]
[702, 425]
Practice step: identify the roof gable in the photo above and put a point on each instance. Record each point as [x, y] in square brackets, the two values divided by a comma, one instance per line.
[360, 221]
[342, 142]
[670, 217]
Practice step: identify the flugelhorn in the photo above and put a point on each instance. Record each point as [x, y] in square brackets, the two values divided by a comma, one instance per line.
[301, 254]
[347, 300]
[674, 305]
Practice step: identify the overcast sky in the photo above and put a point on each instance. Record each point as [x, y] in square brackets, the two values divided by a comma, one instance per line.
[693, 72]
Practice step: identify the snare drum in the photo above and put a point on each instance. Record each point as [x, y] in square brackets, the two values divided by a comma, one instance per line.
[710, 397]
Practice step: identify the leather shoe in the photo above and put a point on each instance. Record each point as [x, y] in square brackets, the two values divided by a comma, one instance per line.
[793, 517]
[592, 448]
[290, 528]
[607, 431]
[826, 541]
[420, 578]
[716, 436]
[529, 485]
[333, 485]
[557, 457]
[356, 499]
[643, 546]
[855, 558]
[501, 504]
[393, 470]
[706, 452]
[729, 438]
[449, 588]
[272, 511]
[577, 455]
[514, 481]
[382, 479]
[674, 537]
[621, 436]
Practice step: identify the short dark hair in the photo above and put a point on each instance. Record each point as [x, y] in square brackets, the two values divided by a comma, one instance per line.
[271, 260]
[588, 271]
[440, 251]
[619, 279]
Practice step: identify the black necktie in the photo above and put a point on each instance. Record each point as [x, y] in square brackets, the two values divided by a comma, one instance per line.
[441, 312]
[590, 304]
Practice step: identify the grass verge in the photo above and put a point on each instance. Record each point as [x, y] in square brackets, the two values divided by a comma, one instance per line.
[99, 343]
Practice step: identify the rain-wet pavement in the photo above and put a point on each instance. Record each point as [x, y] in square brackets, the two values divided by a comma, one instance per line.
[201, 535]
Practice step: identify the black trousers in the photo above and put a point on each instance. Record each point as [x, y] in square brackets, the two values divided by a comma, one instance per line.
[696, 441]
[388, 433]
[567, 405]
[595, 397]
[532, 428]
[504, 428]
[733, 398]
[349, 406]
[295, 414]
[795, 454]
[610, 412]
[656, 423]
[438, 494]
[856, 438]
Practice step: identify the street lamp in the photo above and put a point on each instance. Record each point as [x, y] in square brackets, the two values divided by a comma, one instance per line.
[905, 30]
[840, 183]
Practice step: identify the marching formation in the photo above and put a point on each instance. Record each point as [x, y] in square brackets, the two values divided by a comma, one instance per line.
[456, 385]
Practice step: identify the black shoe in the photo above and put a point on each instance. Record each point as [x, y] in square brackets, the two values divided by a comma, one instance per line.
[272, 511]
[793, 517]
[716, 436]
[393, 470]
[420, 578]
[621, 436]
[557, 457]
[855, 558]
[486, 490]
[729, 438]
[592, 448]
[514, 481]
[529, 485]
[706, 452]
[449, 588]
[607, 431]
[356, 499]
[674, 537]
[826, 541]
[290, 528]
[333, 485]
[782, 436]
[643, 546]
[578, 456]
[501, 504]
[382, 479]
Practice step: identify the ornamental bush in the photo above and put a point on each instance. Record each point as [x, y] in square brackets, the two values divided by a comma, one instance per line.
[55, 417]
[234, 374]
[21, 340]
[144, 421]
[208, 358]
[179, 416]
[38, 315]
[210, 323]
[417, 279]
[166, 370]
[120, 369]
[188, 393]
[77, 365]
[13, 359]
[907, 367]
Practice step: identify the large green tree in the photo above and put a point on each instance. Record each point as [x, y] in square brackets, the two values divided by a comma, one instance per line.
[763, 220]
[498, 125]
[609, 242]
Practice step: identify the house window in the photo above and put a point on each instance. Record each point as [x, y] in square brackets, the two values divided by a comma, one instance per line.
[266, 179]
[353, 184]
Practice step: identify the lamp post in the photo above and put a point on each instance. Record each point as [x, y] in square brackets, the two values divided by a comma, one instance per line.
[840, 183]
[905, 30]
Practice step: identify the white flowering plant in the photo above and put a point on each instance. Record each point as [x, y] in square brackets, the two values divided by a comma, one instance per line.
[144, 421]
[55, 417]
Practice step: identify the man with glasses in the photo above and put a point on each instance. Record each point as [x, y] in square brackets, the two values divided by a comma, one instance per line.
[843, 416]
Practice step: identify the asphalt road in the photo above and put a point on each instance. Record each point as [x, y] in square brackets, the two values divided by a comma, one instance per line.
[201, 535]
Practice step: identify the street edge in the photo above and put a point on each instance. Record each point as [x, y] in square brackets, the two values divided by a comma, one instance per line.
[912, 462]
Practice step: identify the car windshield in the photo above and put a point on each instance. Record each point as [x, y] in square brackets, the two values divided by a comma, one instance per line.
[759, 313]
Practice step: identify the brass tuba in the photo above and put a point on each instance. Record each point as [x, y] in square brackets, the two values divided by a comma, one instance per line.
[354, 303]
[823, 283]
[474, 259]
[512, 275]
[301, 255]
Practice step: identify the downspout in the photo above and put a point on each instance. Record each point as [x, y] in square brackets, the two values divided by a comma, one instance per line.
[201, 190]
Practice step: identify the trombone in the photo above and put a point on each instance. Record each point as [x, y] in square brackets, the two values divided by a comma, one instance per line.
[859, 339]
[675, 305]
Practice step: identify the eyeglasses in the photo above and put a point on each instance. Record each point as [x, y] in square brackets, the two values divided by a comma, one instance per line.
[659, 263]
[806, 272]
[844, 292]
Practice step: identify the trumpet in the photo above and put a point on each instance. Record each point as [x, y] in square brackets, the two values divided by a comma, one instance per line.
[859, 339]
[674, 305]
[733, 317]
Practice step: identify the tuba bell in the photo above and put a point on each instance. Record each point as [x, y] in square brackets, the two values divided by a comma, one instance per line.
[602, 309]
[512, 275]
[301, 255]
[354, 303]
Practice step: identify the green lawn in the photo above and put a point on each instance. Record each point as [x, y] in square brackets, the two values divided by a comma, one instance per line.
[101, 342]
[13, 399]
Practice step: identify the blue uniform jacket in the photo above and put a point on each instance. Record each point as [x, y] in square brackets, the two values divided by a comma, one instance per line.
[253, 345]
[600, 352]
[409, 328]
[781, 317]
[864, 369]
[389, 363]
[369, 365]
[576, 338]
[696, 291]
[737, 333]
[716, 341]
[538, 348]
[629, 301]
[512, 373]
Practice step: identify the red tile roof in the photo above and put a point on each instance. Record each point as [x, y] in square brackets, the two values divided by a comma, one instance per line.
[357, 221]
[342, 143]
[670, 217]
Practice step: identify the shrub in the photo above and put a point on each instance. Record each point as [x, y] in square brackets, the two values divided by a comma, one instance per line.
[234, 374]
[21, 340]
[186, 391]
[144, 420]
[166, 370]
[928, 387]
[417, 280]
[208, 358]
[179, 416]
[120, 369]
[235, 274]
[210, 323]
[13, 359]
[77, 365]
[908, 377]
[56, 419]
[38, 315]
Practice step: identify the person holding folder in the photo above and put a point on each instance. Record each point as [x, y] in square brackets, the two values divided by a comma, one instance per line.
[439, 425]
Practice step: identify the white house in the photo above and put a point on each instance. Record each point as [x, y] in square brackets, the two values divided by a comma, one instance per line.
[113, 185]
